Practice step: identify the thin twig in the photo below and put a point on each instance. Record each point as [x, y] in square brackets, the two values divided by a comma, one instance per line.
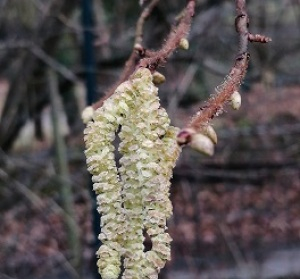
[42, 55]
[215, 105]
[141, 21]
[53, 64]
[13, 44]
[159, 58]
[44, 10]
[137, 53]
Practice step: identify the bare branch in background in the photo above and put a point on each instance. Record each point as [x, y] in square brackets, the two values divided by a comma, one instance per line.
[53, 64]
[15, 112]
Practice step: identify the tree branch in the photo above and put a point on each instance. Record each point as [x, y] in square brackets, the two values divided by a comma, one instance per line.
[159, 58]
[140, 57]
[137, 53]
[53, 64]
[215, 105]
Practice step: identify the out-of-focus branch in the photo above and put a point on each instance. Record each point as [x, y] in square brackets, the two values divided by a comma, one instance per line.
[15, 111]
[53, 64]
[12, 44]
[42, 55]
[63, 173]
[44, 10]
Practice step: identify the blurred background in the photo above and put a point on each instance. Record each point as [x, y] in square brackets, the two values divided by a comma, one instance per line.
[236, 214]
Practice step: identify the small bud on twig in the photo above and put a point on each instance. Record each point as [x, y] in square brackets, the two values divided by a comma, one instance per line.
[184, 44]
[184, 136]
[202, 143]
[210, 132]
[236, 100]
[158, 78]
[87, 114]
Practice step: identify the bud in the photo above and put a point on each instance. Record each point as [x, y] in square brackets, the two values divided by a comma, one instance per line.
[87, 114]
[184, 44]
[184, 136]
[236, 100]
[202, 143]
[158, 78]
[210, 132]
[138, 47]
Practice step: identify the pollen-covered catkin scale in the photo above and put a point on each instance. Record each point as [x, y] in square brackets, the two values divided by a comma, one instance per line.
[134, 198]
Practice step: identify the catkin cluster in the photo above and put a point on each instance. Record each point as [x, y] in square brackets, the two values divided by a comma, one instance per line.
[133, 195]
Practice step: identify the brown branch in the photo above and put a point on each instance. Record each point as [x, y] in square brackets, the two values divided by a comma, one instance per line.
[152, 59]
[140, 24]
[137, 53]
[159, 58]
[258, 38]
[215, 105]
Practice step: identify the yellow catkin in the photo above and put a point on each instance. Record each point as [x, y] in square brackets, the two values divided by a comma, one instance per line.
[134, 198]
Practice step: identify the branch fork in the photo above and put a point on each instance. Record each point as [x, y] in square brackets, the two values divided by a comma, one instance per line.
[228, 91]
